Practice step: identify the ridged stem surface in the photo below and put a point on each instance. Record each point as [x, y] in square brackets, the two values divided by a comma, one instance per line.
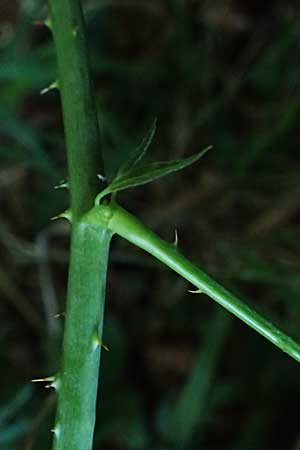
[79, 110]
[77, 381]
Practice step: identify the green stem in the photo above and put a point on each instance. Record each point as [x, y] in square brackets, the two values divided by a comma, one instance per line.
[78, 378]
[77, 381]
[79, 110]
[130, 228]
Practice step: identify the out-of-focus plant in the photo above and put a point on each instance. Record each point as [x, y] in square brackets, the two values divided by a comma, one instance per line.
[95, 217]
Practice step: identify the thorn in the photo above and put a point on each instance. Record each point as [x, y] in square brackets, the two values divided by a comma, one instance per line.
[55, 384]
[62, 184]
[43, 23]
[175, 243]
[101, 177]
[41, 380]
[197, 291]
[64, 215]
[97, 342]
[105, 347]
[57, 316]
[52, 86]
[56, 431]
[48, 23]
[75, 31]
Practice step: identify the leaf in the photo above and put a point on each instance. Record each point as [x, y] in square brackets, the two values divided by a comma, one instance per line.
[192, 405]
[138, 153]
[152, 171]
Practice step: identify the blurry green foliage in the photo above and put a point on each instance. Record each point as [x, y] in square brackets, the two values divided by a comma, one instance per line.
[224, 73]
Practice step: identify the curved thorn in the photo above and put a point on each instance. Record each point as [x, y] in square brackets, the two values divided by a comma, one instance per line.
[175, 243]
[51, 86]
[197, 291]
[55, 384]
[62, 184]
[97, 342]
[57, 316]
[101, 177]
[43, 23]
[41, 380]
[48, 23]
[56, 431]
[64, 215]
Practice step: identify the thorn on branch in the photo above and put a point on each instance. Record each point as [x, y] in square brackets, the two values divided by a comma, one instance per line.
[57, 316]
[44, 23]
[64, 215]
[175, 243]
[97, 342]
[101, 177]
[56, 431]
[62, 185]
[197, 291]
[54, 382]
[54, 85]
[41, 380]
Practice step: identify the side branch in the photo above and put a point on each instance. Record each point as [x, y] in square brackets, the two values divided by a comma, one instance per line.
[130, 228]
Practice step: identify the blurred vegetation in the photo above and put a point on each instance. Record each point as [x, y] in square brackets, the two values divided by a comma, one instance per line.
[180, 373]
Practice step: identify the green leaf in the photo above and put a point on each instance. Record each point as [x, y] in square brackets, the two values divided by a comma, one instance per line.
[139, 175]
[192, 405]
[138, 153]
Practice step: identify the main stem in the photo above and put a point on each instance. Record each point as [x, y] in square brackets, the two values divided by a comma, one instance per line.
[79, 110]
[76, 383]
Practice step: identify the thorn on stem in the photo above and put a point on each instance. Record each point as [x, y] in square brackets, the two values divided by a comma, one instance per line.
[41, 380]
[56, 431]
[97, 342]
[44, 23]
[51, 86]
[175, 243]
[57, 316]
[101, 177]
[64, 215]
[62, 184]
[197, 291]
[48, 23]
[54, 382]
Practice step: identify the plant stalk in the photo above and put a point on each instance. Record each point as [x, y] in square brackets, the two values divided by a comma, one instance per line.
[121, 222]
[79, 110]
[77, 381]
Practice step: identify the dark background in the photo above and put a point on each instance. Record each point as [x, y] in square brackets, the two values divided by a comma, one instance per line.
[178, 375]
